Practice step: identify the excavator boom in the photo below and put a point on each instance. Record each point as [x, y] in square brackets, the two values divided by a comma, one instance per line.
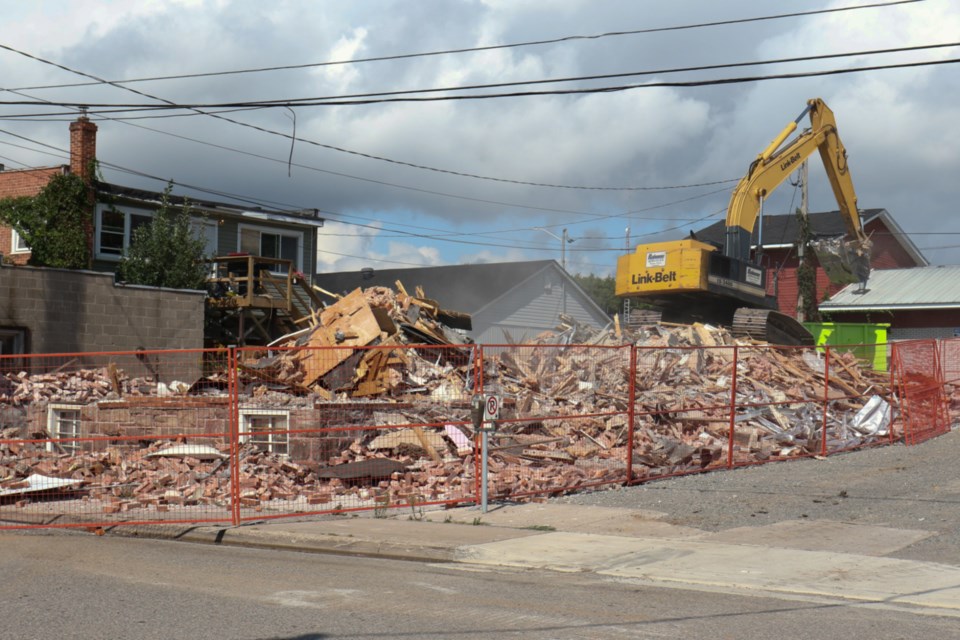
[692, 280]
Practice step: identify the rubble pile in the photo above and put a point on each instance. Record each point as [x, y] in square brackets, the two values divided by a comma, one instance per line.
[401, 412]
[167, 474]
[682, 395]
[345, 352]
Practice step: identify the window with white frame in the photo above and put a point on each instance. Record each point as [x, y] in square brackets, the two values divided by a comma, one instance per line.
[63, 424]
[272, 243]
[266, 430]
[115, 227]
[17, 245]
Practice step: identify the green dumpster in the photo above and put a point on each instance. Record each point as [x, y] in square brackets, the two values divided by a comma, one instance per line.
[870, 339]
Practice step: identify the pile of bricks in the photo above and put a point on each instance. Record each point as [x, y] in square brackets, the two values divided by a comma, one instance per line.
[565, 423]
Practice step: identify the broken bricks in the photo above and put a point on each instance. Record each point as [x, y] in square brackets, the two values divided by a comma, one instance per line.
[566, 424]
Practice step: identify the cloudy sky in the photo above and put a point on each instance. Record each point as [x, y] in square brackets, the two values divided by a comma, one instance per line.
[388, 176]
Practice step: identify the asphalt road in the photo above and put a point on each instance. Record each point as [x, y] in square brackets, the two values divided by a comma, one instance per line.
[72, 585]
[916, 487]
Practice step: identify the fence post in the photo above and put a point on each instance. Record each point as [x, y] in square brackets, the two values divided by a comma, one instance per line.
[631, 411]
[733, 406]
[894, 415]
[234, 391]
[477, 445]
[826, 399]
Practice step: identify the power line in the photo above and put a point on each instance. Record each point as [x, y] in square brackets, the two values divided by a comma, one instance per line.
[284, 135]
[479, 49]
[318, 101]
[306, 102]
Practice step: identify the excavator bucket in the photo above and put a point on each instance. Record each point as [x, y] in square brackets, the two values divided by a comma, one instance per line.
[845, 262]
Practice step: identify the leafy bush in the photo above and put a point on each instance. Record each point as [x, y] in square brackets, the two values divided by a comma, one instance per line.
[168, 252]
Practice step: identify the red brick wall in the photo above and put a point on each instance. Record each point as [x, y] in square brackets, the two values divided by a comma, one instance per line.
[26, 182]
[906, 318]
[781, 266]
[16, 184]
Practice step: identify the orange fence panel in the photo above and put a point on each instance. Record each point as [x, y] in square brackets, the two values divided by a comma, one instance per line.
[100, 439]
[323, 429]
[682, 410]
[565, 423]
[234, 435]
[950, 372]
[917, 377]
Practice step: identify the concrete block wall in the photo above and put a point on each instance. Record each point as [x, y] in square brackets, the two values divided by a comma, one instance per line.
[82, 311]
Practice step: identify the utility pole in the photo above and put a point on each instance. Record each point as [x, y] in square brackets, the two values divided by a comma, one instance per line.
[563, 250]
[802, 245]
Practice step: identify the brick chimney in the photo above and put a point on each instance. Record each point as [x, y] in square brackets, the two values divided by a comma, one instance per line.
[83, 147]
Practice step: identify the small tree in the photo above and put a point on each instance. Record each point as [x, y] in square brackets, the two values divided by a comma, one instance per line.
[54, 222]
[601, 290]
[168, 252]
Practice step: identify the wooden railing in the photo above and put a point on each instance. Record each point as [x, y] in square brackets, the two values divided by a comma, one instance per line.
[247, 281]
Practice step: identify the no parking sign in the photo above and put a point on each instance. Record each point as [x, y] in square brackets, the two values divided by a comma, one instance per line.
[491, 408]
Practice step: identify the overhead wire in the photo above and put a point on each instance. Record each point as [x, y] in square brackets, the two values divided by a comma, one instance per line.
[528, 43]
[343, 100]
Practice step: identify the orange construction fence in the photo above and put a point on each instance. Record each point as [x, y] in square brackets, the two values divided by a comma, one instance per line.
[235, 435]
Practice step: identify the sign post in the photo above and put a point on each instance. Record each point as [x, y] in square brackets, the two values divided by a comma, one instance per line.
[491, 412]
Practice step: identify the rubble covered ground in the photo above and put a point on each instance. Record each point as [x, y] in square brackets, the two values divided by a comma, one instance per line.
[378, 390]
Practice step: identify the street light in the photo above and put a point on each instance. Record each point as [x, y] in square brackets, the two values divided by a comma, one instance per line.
[564, 241]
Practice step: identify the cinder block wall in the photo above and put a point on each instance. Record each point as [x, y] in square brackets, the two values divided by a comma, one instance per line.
[82, 311]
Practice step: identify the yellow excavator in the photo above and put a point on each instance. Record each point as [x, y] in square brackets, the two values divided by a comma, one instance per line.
[689, 280]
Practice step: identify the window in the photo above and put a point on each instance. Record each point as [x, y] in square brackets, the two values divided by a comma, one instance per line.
[17, 245]
[12, 340]
[63, 423]
[116, 226]
[266, 431]
[272, 243]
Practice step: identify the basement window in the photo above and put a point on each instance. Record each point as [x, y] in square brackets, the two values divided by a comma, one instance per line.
[267, 431]
[63, 423]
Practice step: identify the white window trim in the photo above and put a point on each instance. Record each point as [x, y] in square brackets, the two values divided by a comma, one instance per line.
[98, 224]
[15, 240]
[298, 265]
[199, 223]
[53, 411]
[245, 427]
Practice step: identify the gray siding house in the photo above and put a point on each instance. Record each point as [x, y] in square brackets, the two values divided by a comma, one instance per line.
[227, 228]
[508, 301]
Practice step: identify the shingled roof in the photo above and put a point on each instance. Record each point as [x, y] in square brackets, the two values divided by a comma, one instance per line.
[784, 229]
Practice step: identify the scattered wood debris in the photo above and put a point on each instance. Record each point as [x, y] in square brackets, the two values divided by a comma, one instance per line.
[400, 412]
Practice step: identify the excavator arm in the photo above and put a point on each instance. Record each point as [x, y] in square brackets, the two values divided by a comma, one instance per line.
[775, 164]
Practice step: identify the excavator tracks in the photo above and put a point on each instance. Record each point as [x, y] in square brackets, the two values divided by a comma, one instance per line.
[770, 326]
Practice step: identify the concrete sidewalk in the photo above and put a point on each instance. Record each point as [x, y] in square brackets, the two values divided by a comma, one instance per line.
[822, 559]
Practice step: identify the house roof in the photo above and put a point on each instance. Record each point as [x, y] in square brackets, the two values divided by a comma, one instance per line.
[784, 229]
[462, 287]
[936, 287]
[154, 198]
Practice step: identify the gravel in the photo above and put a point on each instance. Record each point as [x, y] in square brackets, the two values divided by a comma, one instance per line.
[916, 487]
